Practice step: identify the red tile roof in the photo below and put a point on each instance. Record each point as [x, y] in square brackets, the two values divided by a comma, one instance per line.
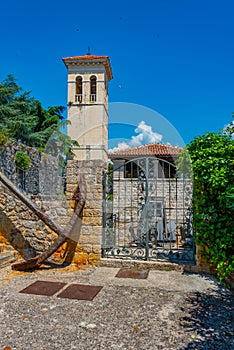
[92, 59]
[85, 57]
[153, 150]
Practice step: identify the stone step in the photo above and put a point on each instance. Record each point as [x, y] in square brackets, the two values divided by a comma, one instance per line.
[6, 259]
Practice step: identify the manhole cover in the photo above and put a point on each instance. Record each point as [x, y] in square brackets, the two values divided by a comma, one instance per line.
[132, 273]
[80, 292]
[43, 288]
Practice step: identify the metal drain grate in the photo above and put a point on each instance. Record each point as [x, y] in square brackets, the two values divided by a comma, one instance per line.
[132, 273]
[43, 288]
[80, 292]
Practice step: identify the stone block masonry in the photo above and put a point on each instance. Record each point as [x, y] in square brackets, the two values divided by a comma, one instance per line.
[44, 175]
[88, 174]
[25, 180]
[20, 230]
[24, 234]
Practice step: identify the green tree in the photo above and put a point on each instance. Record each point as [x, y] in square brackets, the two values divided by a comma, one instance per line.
[15, 106]
[23, 118]
[43, 124]
[212, 157]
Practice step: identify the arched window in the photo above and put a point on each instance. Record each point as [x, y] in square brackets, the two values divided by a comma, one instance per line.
[93, 88]
[78, 95]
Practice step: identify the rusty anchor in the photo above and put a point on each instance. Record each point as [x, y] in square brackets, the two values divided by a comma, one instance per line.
[64, 234]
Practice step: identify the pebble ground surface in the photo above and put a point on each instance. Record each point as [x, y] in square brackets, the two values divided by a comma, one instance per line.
[168, 310]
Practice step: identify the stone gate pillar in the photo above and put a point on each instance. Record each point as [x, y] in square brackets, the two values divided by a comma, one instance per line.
[88, 235]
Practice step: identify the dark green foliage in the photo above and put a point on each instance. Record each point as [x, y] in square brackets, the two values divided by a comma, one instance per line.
[212, 157]
[24, 119]
[15, 106]
[22, 160]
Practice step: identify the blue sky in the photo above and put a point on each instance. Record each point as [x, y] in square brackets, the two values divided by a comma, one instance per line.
[175, 57]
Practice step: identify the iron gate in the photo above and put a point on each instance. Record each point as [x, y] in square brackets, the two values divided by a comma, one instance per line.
[147, 212]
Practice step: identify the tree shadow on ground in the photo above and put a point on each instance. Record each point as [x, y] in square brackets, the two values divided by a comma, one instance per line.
[210, 318]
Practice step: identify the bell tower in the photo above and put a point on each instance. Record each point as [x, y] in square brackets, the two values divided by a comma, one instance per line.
[88, 78]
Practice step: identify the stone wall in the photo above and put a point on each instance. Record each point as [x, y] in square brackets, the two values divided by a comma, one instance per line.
[22, 232]
[25, 180]
[45, 173]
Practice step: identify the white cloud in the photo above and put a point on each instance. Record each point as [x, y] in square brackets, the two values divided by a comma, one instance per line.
[121, 147]
[145, 135]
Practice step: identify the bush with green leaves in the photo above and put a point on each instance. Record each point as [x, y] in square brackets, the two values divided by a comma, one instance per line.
[212, 157]
[22, 160]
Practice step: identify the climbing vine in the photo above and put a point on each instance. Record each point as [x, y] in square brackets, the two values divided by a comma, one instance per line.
[212, 157]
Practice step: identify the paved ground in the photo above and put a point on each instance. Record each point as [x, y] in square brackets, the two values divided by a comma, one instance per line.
[168, 310]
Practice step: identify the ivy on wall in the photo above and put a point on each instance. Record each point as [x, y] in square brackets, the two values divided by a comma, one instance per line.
[212, 157]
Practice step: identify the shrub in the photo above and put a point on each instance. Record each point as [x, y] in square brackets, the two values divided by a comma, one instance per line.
[22, 160]
[212, 158]
[3, 138]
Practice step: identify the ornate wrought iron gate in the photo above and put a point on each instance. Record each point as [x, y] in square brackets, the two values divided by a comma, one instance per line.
[147, 212]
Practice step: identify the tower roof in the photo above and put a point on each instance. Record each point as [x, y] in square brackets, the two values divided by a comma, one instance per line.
[90, 60]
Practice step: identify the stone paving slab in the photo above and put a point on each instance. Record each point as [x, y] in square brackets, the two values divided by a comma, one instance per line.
[165, 280]
[168, 310]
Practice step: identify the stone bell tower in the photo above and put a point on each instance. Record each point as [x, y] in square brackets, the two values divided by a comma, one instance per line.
[88, 78]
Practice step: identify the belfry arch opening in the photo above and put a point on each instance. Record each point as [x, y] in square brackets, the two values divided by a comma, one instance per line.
[79, 89]
[93, 88]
